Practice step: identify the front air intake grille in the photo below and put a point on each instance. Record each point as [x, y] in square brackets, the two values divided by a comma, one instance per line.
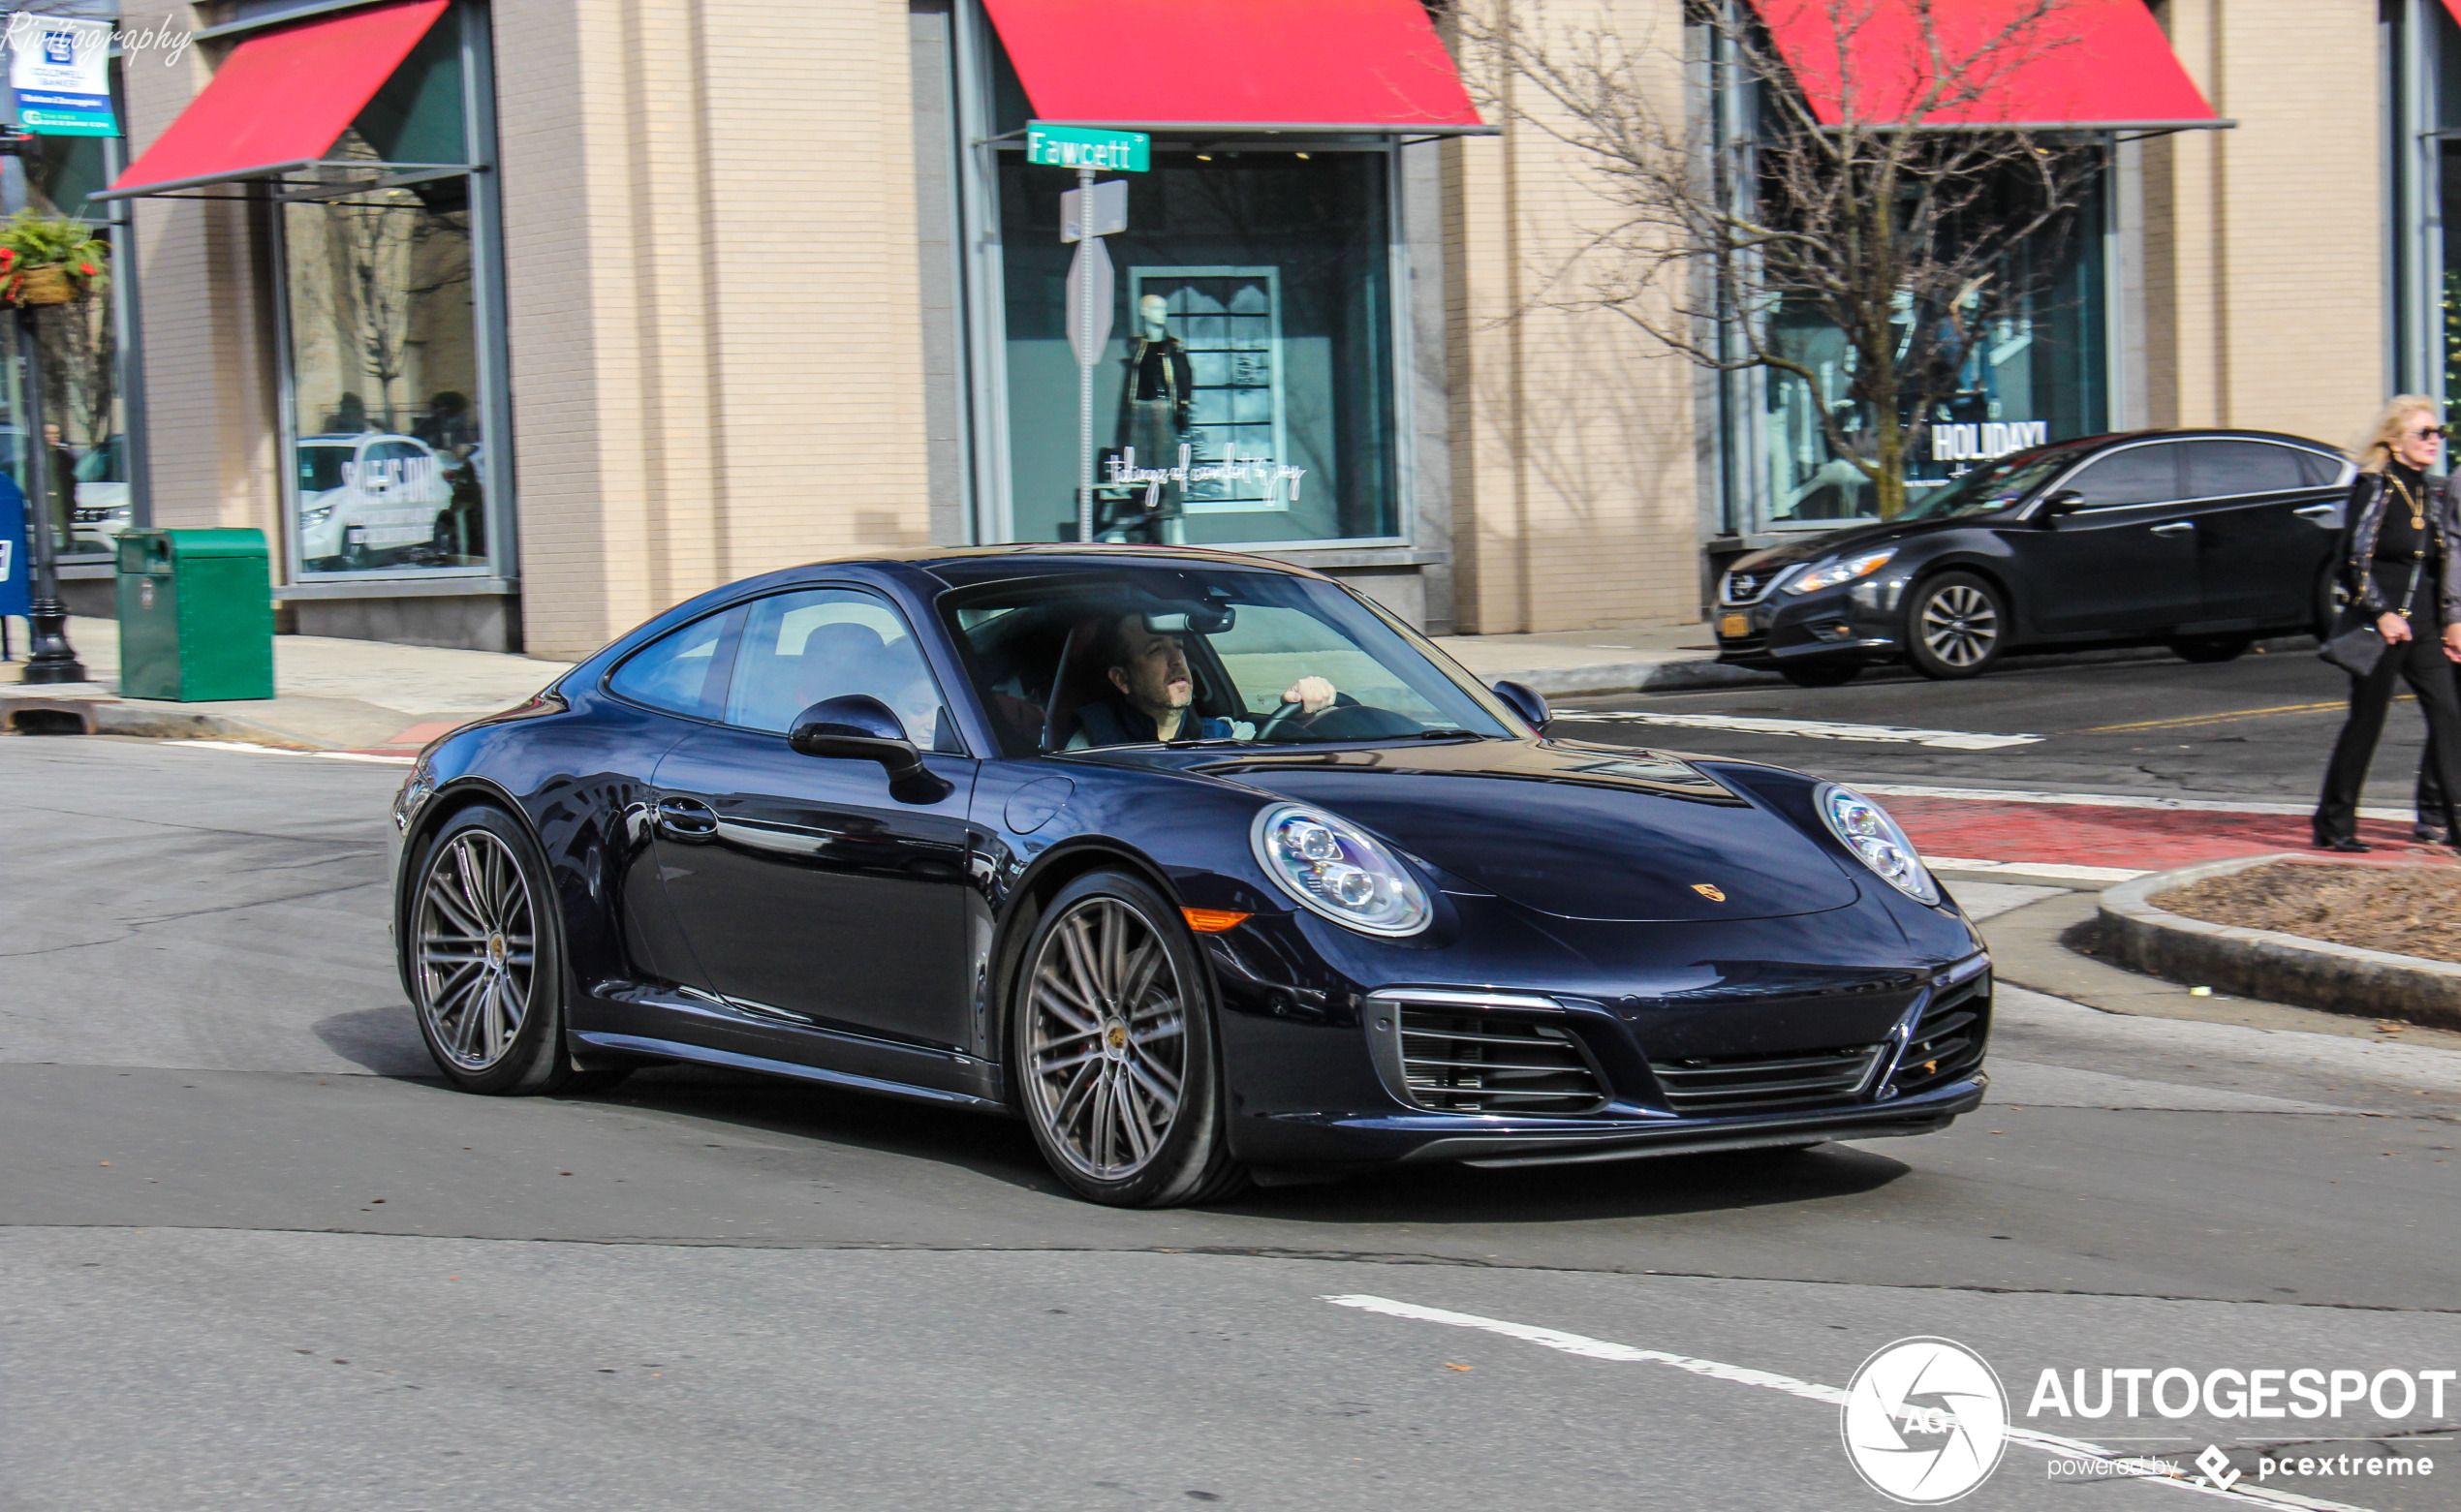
[1947, 1041]
[1747, 585]
[1484, 1062]
[1722, 1085]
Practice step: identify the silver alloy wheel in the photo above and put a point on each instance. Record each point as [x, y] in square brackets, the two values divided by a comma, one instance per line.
[476, 949]
[1108, 1038]
[1959, 625]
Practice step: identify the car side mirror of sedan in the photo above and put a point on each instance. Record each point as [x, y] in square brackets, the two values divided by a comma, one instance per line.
[860, 727]
[1525, 702]
[2068, 501]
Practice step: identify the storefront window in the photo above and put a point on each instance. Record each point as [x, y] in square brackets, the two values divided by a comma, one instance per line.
[1250, 356]
[2028, 375]
[387, 445]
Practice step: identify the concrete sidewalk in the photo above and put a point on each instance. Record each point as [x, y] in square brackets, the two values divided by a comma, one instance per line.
[370, 696]
[330, 695]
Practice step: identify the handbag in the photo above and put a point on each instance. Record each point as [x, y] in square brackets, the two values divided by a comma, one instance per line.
[2355, 644]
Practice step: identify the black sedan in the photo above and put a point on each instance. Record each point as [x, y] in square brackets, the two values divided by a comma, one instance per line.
[2200, 540]
[1205, 866]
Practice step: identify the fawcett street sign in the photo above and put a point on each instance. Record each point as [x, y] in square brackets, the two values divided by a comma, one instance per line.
[1088, 147]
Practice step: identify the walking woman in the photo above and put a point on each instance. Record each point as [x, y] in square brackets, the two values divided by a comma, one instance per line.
[2401, 561]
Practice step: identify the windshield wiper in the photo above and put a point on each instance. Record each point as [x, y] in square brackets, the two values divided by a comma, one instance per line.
[1449, 734]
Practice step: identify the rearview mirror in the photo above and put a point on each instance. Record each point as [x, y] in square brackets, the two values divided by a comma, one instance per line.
[1525, 702]
[858, 727]
[1204, 622]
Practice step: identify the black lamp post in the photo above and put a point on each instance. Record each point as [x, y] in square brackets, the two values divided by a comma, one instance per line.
[50, 658]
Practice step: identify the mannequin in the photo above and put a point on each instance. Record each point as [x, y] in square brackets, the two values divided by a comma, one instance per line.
[1156, 398]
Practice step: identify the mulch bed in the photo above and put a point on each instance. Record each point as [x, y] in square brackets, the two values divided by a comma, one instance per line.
[2406, 909]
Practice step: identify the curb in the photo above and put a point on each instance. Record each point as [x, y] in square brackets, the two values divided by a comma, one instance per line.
[1573, 682]
[100, 715]
[2268, 965]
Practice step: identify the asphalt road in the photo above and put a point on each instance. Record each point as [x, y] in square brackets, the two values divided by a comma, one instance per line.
[2261, 727]
[250, 1255]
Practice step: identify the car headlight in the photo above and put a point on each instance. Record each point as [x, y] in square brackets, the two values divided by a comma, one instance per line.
[315, 516]
[1872, 835]
[1845, 569]
[1335, 871]
[416, 788]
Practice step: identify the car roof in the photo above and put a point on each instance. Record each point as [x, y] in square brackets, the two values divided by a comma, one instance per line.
[2200, 433]
[960, 564]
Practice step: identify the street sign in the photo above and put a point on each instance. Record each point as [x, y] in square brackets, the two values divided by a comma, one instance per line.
[60, 67]
[17, 594]
[1092, 290]
[1095, 210]
[1089, 147]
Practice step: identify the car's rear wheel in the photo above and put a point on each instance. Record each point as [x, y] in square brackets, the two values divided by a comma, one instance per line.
[2211, 648]
[484, 962]
[1955, 625]
[1826, 675]
[1115, 1055]
[2331, 594]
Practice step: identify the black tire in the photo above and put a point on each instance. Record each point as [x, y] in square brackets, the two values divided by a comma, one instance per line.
[2330, 595]
[1821, 675]
[491, 1013]
[1088, 1078]
[2211, 648]
[1956, 626]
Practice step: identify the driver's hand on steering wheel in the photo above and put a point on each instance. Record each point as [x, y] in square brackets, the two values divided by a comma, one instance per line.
[1312, 695]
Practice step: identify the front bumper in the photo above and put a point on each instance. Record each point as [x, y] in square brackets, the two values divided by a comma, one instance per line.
[1854, 622]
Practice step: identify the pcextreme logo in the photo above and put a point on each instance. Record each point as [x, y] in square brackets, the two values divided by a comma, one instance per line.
[1925, 1421]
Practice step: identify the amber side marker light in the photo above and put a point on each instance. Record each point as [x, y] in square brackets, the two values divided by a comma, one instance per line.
[1212, 921]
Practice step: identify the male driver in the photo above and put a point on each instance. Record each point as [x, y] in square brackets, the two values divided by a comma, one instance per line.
[1149, 673]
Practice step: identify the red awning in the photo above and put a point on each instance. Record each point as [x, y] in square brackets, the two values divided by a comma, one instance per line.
[281, 99]
[2097, 64]
[1366, 64]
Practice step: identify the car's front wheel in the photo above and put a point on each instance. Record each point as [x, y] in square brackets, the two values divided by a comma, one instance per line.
[1955, 625]
[484, 961]
[1113, 1041]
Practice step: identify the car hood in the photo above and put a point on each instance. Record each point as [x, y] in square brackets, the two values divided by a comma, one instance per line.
[1593, 832]
[1840, 542]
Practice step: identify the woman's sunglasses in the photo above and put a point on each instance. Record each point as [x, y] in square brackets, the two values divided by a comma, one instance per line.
[2427, 432]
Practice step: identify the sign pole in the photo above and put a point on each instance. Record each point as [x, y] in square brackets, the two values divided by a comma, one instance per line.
[1085, 380]
[50, 658]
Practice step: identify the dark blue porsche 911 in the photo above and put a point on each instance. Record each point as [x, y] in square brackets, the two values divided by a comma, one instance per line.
[1206, 866]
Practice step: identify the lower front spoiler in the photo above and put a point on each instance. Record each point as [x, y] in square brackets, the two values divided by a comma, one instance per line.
[1625, 1139]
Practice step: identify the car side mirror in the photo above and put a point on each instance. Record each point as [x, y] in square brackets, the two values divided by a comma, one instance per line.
[2068, 501]
[860, 727]
[1525, 702]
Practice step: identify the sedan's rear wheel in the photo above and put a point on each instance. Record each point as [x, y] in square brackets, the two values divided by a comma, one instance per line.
[484, 962]
[1115, 1052]
[1955, 625]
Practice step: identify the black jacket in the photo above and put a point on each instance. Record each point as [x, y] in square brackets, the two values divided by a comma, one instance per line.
[2368, 495]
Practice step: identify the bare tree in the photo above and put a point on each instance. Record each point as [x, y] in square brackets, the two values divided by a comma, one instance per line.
[1834, 191]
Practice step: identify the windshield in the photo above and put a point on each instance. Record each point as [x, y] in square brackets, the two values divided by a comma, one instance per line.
[1992, 487]
[1080, 660]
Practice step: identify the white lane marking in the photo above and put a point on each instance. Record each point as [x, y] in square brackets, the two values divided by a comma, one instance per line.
[2083, 874]
[1745, 1375]
[1813, 729]
[2110, 800]
[328, 756]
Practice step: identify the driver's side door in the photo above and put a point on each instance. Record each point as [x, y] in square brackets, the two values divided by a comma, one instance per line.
[812, 895]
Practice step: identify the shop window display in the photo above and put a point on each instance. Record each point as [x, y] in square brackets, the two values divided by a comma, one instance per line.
[1246, 394]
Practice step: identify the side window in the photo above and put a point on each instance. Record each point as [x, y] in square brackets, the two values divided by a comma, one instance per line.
[2139, 474]
[2322, 470]
[2225, 469]
[800, 648]
[683, 671]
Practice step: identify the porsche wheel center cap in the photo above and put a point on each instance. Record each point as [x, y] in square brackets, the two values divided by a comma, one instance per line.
[496, 951]
[1116, 1040]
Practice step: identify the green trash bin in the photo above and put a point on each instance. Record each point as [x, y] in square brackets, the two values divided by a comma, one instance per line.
[196, 615]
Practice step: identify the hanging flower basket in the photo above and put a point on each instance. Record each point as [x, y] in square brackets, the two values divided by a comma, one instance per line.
[48, 284]
[49, 260]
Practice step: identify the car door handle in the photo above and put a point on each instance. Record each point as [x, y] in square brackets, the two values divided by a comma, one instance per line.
[2318, 512]
[2173, 528]
[687, 818]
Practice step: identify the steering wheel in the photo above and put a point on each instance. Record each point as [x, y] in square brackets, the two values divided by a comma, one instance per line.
[1295, 716]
